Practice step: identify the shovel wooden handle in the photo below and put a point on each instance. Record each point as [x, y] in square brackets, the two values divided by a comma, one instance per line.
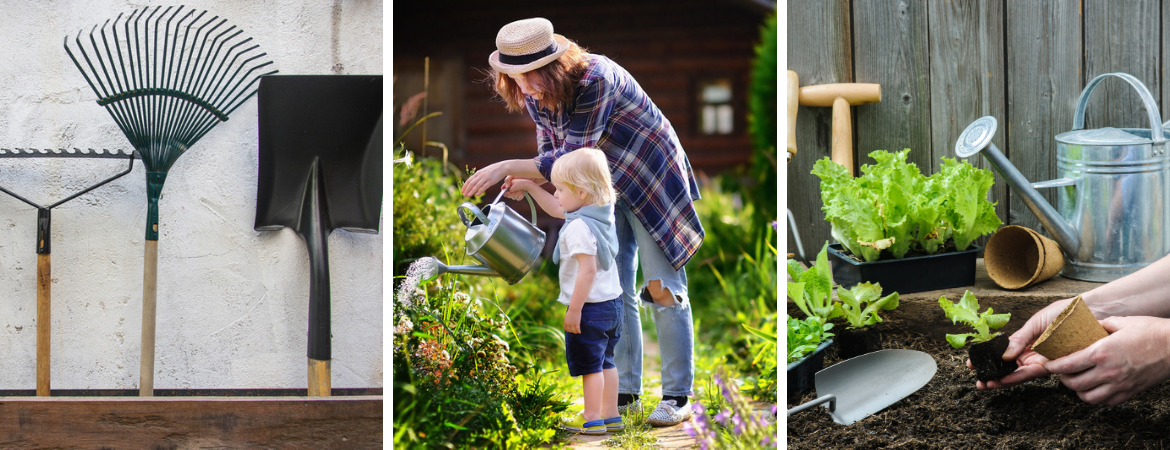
[320, 380]
[149, 302]
[44, 319]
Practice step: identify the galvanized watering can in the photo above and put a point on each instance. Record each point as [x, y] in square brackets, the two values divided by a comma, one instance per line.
[1112, 207]
[508, 245]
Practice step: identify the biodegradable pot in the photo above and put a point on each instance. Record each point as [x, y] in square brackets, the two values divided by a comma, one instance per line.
[853, 342]
[906, 275]
[987, 357]
[1073, 330]
[1019, 257]
[802, 372]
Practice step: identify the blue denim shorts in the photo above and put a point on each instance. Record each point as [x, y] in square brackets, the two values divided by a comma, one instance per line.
[592, 351]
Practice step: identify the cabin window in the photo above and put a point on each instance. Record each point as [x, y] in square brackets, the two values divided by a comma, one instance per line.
[716, 115]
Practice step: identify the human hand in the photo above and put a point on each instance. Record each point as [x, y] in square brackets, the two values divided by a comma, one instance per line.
[1020, 348]
[484, 178]
[1135, 356]
[573, 321]
[516, 187]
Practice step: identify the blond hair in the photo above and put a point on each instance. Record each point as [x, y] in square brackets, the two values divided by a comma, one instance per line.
[586, 169]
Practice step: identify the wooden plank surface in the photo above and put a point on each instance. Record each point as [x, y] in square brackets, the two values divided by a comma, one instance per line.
[1121, 36]
[891, 50]
[966, 79]
[819, 52]
[1044, 76]
[193, 422]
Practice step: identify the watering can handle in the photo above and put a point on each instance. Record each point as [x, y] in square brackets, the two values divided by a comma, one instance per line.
[474, 210]
[1147, 98]
[531, 205]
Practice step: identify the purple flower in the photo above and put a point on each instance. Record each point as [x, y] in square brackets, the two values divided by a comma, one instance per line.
[689, 429]
[722, 417]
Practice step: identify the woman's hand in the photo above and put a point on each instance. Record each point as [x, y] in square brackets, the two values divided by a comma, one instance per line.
[482, 179]
[1020, 349]
[1135, 356]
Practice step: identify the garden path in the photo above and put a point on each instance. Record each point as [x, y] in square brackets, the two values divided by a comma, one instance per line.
[668, 437]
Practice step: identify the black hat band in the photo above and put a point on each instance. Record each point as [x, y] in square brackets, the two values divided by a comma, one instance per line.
[519, 60]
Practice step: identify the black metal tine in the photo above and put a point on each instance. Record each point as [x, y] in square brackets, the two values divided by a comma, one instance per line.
[121, 113]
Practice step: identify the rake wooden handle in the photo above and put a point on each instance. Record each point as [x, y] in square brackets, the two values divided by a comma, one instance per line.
[44, 305]
[149, 302]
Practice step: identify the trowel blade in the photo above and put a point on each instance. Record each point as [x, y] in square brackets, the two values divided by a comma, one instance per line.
[869, 383]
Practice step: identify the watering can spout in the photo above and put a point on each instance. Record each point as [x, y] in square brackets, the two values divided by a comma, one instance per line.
[977, 139]
[431, 268]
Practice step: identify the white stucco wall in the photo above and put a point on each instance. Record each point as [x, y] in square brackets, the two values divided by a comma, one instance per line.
[232, 302]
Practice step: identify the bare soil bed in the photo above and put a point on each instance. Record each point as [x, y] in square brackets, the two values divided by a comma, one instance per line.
[949, 413]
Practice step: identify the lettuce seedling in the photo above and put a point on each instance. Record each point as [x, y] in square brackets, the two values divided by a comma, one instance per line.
[804, 336]
[813, 289]
[968, 214]
[860, 305]
[967, 311]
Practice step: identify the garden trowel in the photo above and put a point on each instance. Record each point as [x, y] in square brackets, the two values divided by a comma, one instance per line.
[858, 387]
[320, 169]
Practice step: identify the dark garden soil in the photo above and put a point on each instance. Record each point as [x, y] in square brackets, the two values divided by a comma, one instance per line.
[949, 413]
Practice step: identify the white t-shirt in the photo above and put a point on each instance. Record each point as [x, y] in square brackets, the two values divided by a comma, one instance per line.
[577, 239]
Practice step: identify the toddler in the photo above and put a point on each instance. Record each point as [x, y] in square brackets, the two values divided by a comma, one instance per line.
[585, 251]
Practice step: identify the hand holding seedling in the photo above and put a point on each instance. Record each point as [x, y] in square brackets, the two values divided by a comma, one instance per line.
[1020, 349]
[1134, 357]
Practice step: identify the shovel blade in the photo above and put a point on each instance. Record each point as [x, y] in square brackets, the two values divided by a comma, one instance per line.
[869, 383]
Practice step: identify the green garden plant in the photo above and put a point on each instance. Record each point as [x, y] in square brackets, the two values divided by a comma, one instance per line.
[860, 305]
[892, 208]
[813, 289]
[967, 311]
[804, 336]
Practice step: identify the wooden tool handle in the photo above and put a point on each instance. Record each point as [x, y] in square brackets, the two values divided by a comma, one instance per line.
[842, 134]
[44, 319]
[793, 106]
[149, 298]
[320, 380]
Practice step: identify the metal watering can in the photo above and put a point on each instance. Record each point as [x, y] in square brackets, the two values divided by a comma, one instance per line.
[1111, 203]
[499, 237]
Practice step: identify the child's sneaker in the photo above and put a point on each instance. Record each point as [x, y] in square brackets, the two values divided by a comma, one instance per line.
[580, 426]
[635, 406]
[668, 413]
[614, 424]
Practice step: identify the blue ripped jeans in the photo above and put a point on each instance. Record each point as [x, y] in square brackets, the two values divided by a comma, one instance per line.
[676, 329]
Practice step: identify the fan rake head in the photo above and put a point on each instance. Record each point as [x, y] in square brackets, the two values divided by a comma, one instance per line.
[167, 77]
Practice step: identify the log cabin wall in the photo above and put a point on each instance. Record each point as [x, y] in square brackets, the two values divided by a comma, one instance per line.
[942, 65]
[669, 46]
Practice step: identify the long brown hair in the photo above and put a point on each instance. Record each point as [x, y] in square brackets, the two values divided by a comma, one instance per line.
[555, 81]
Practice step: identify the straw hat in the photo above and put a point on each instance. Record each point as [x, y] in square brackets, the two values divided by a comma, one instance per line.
[525, 45]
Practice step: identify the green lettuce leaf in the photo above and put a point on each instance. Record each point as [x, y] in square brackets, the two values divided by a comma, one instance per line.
[967, 311]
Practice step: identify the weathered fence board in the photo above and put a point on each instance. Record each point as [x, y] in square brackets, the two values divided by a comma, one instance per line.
[1044, 79]
[819, 54]
[902, 119]
[944, 64]
[1121, 37]
[966, 79]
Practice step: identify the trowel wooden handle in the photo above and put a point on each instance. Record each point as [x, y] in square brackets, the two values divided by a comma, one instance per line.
[793, 106]
[149, 301]
[842, 134]
[44, 319]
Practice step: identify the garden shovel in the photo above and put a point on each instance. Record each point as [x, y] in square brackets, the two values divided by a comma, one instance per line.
[858, 387]
[320, 169]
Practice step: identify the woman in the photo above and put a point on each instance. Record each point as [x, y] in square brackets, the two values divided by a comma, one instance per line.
[578, 99]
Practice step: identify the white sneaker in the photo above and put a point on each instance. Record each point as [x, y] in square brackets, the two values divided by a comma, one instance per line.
[668, 414]
[635, 406]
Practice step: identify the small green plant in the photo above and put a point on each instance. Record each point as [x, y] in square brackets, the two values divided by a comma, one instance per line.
[804, 336]
[967, 311]
[813, 289]
[860, 305]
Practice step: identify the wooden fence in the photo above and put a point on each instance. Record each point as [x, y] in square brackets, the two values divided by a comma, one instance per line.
[943, 64]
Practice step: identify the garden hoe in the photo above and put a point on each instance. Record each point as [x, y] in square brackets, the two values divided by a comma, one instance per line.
[320, 169]
[166, 83]
[44, 233]
[859, 387]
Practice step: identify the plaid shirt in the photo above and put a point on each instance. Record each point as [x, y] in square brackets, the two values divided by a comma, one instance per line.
[650, 171]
